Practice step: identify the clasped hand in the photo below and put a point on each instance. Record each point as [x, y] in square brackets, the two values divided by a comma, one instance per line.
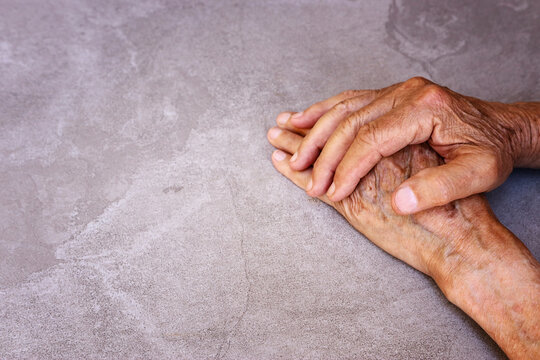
[404, 165]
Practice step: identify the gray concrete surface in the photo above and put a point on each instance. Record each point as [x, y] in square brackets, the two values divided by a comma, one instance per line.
[140, 215]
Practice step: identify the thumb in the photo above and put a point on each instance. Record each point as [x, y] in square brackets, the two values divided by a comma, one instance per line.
[463, 176]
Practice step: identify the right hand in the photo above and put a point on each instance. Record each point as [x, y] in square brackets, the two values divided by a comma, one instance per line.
[479, 265]
[420, 240]
[479, 141]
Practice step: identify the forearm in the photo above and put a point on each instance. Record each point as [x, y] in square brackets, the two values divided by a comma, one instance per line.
[496, 281]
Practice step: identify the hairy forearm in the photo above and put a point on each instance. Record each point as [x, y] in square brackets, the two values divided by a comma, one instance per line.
[496, 281]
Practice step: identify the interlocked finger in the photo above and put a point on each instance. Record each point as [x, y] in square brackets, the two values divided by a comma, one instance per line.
[283, 120]
[325, 126]
[285, 140]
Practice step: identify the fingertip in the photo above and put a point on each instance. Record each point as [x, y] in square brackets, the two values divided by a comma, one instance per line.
[273, 133]
[335, 190]
[318, 187]
[304, 119]
[294, 163]
[281, 163]
[298, 165]
[279, 160]
[279, 156]
[331, 191]
[405, 201]
[309, 185]
[339, 197]
[316, 191]
[338, 192]
[313, 188]
[303, 158]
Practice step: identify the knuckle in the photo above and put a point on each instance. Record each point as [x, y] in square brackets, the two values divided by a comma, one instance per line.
[342, 106]
[367, 135]
[346, 127]
[433, 95]
[346, 105]
[352, 122]
[349, 93]
[341, 132]
[389, 91]
[373, 94]
[363, 140]
[313, 142]
[416, 82]
[316, 142]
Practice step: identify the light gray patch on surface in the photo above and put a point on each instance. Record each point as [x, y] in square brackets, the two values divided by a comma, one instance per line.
[484, 48]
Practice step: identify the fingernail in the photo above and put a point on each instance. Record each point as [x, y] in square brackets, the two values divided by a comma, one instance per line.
[405, 200]
[309, 185]
[274, 133]
[297, 115]
[282, 118]
[332, 189]
[293, 159]
[279, 155]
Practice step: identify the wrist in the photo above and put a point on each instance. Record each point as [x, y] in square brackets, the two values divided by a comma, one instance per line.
[497, 283]
[525, 135]
[515, 130]
[491, 252]
[464, 249]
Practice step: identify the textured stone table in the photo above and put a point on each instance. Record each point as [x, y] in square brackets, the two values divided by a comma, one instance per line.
[140, 215]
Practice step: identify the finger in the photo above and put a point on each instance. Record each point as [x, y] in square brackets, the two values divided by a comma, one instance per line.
[284, 122]
[307, 118]
[324, 127]
[284, 139]
[377, 139]
[463, 176]
[341, 139]
[280, 160]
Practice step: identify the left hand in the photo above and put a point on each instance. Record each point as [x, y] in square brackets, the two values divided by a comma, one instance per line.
[479, 141]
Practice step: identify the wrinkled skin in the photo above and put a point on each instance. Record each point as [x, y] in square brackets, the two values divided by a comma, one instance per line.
[480, 141]
[478, 264]
[419, 239]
